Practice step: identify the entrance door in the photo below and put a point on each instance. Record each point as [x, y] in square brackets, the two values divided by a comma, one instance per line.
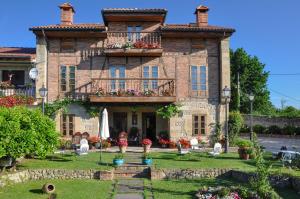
[149, 126]
[120, 122]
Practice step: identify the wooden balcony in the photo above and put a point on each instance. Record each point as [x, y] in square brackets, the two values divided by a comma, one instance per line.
[133, 90]
[133, 44]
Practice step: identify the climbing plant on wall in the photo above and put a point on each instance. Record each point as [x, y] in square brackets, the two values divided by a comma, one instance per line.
[168, 111]
[51, 109]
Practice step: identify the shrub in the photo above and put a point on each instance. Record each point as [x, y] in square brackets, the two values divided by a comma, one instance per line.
[274, 129]
[297, 131]
[245, 129]
[146, 156]
[119, 156]
[243, 143]
[289, 130]
[26, 132]
[259, 129]
[235, 124]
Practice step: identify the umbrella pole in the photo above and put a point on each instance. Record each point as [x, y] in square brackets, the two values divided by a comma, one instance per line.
[100, 151]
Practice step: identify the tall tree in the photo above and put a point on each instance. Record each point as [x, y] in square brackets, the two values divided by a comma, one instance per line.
[253, 79]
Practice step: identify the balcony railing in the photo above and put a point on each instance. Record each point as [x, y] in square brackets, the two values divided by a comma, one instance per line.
[138, 40]
[143, 89]
[29, 92]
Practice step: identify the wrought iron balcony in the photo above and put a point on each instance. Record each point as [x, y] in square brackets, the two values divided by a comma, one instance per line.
[133, 90]
[29, 92]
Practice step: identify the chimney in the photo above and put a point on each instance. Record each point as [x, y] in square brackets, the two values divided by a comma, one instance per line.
[202, 15]
[66, 14]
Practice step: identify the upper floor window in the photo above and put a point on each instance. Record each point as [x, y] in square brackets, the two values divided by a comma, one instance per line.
[67, 78]
[199, 80]
[150, 72]
[134, 33]
[117, 73]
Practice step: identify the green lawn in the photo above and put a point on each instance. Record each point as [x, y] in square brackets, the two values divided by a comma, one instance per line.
[203, 160]
[160, 159]
[65, 189]
[70, 161]
[186, 189]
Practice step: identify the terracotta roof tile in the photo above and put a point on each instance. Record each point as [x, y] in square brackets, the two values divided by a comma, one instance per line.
[17, 52]
[83, 26]
[194, 28]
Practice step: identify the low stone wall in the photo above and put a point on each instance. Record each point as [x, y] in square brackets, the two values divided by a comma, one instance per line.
[39, 174]
[159, 174]
[279, 181]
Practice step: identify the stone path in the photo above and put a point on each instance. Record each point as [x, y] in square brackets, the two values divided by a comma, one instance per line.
[131, 188]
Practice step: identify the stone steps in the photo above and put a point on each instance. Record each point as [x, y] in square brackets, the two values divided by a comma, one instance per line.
[123, 174]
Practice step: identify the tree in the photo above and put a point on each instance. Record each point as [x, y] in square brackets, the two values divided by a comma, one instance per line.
[253, 79]
[24, 131]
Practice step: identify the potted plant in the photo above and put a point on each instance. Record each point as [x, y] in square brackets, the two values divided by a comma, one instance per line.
[123, 145]
[185, 143]
[100, 92]
[146, 144]
[172, 145]
[163, 142]
[147, 159]
[243, 145]
[128, 45]
[118, 159]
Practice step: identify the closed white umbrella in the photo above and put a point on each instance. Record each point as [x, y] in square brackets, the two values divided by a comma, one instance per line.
[104, 130]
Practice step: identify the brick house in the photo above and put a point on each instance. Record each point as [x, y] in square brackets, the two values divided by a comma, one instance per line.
[132, 64]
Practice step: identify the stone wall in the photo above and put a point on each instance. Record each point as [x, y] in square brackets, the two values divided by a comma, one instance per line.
[39, 174]
[269, 121]
[279, 181]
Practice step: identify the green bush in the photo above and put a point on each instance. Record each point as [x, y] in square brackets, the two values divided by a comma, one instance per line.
[259, 129]
[26, 132]
[289, 130]
[235, 124]
[245, 129]
[243, 143]
[274, 129]
[298, 131]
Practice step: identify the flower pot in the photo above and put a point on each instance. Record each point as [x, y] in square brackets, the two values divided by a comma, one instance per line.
[118, 162]
[6, 161]
[147, 148]
[48, 188]
[241, 151]
[245, 156]
[147, 161]
[122, 149]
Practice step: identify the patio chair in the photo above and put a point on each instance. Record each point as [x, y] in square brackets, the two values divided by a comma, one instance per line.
[84, 148]
[194, 144]
[217, 149]
[182, 151]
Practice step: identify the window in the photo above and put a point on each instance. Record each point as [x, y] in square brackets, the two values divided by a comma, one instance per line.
[150, 72]
[134, 33]
[67, 78]
[199, 124]
[67, 124]
[117, 72]
[198, 80]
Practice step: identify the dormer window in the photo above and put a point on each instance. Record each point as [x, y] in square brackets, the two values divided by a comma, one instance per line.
[134, 33]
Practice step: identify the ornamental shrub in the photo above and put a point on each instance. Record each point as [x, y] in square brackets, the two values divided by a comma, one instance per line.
[259, 129]
[235, 124]
[26, 132]
[289, 130]
[274, 129]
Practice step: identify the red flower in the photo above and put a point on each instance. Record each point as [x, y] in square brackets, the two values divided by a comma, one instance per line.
[123, 143]
[163, 141]
[146, 142]
[185, 143]
[13, 100]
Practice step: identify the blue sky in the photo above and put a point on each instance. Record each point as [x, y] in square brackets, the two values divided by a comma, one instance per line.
[269, 29]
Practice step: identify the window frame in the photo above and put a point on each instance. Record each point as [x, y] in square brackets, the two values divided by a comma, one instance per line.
[151, 84]
[68, 79]
[200, 126]
[65, 124]
[196, 81]
[118, 84]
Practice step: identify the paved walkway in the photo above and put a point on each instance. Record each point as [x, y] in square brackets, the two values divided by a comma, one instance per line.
[131, 188]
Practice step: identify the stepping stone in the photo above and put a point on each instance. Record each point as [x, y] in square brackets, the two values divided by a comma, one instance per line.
[129, 196]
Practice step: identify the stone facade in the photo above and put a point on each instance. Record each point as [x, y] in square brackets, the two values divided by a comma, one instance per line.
[207, 49]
